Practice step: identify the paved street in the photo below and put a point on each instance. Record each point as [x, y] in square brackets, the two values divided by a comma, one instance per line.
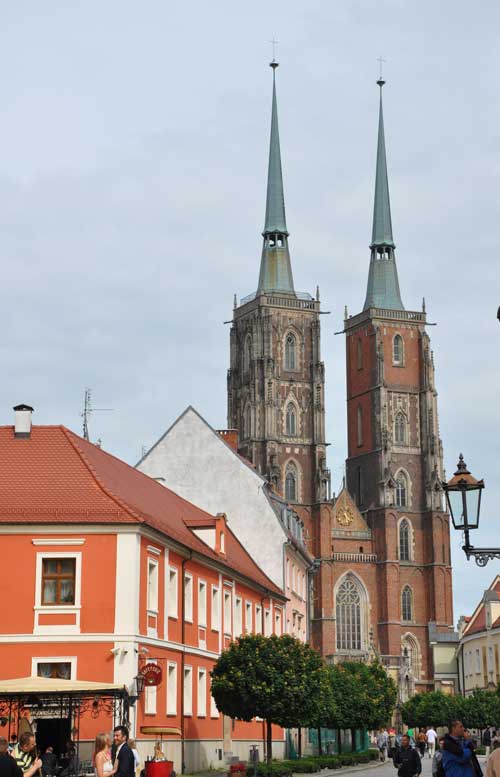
[388, 770]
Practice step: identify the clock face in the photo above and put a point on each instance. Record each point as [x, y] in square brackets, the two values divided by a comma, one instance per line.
[345, 516]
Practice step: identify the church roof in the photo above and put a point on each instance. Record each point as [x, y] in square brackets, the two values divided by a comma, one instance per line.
[383, 284]
[56, 477]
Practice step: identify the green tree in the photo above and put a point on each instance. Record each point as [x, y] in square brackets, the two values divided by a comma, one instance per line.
[275, 678]
[424, 709]
[479, 710]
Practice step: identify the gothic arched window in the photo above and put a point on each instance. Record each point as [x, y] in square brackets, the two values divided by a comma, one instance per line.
[404, 540]
[400, 429]
[359, 353]
[291, 483]
[407, 604]
[248, 421]
[409, 646]
[348, 615]
[397, 350]
[359, 425]
[401, 490]
[290, 352]
[291, 420]
[247, 353]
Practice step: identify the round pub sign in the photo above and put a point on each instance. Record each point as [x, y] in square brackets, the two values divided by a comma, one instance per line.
[151, 674]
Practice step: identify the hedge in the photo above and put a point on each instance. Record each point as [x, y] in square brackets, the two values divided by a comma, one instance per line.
[312, 764]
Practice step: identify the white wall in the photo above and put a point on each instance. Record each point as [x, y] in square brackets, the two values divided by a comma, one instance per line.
[196, 463]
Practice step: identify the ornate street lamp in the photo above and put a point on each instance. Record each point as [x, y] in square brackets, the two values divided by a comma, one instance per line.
[140, 682]
[463, 496]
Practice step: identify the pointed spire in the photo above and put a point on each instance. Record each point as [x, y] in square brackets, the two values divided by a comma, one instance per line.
[275, 201]
[275, 266]
[383, 284]
[382, 222]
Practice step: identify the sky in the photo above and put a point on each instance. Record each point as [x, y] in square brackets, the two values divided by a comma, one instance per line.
[133, 157]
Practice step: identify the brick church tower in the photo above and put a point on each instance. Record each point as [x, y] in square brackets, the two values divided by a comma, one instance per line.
[276, 377]
[395, 457]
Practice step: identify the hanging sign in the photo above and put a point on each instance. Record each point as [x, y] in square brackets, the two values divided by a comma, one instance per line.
[152, 674]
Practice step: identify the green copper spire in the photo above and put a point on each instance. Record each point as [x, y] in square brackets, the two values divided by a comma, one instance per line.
[275, 266]
[383, 285]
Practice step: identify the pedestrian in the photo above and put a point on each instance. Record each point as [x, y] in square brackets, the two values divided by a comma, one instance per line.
[382, 744]
[487, 741]
[124, 761]
[8, 767]
[459, 758]
[493, 766]
[431, 741]
[407, 760]
[102, 756]
[25, 755]
[422, 742]
[137, 757]
[438, 756]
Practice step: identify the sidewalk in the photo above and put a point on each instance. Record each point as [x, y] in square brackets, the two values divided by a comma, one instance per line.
[346, 769]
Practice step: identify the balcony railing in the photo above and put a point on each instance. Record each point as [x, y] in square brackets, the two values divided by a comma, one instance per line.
[359, 558]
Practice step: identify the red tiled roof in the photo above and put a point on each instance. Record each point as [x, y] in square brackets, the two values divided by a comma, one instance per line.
[55, 476]
[479, 623]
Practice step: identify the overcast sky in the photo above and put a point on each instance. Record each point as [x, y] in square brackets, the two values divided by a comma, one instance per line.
[133, 155]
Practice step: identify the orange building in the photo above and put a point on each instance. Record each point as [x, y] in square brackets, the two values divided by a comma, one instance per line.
[105, 570]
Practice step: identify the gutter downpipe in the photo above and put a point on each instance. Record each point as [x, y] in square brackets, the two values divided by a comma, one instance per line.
[183, 659]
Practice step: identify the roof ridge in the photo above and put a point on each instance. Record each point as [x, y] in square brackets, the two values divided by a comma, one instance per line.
[124, 506]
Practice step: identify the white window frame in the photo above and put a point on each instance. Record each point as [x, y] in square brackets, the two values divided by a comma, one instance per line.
[258, 619]
[188, 597]
[214, 712]
[173, 592]
[215, 611]
[202, 692]
[73, 660]
[228, 608]
[277, 622]
[202, 603]
[268, 626]
[478, 661]
[248, 617]
[490, 658]
[187, 689]
[58, 609]
[152, 594]
[238, 616]
[172, 688]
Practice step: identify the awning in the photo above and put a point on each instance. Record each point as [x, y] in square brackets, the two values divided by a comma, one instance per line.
[47, 685]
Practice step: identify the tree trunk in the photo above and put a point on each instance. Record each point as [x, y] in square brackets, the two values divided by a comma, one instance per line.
[299, 742]
[269, 748]
[339, 740]
[319, 741]
[353, 740]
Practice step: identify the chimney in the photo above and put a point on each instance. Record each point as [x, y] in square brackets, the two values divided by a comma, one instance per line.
[22, 420]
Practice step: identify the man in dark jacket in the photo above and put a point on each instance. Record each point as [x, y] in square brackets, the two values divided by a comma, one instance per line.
[459, 758]
[406, 759]
[124, 760]
[8, 767]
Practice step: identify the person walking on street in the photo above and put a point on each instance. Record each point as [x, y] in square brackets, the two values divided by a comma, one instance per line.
[438, 757]
[459, 758]
[421, 742]
[431, 741]
[382, 744]
[407, 760]
[487, 741]
[8, 767]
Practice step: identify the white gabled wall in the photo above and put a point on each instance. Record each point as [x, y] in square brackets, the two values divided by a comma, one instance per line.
[197, 464]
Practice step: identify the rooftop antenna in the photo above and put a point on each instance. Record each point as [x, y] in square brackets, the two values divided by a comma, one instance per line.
[274, 43]
[88, 410]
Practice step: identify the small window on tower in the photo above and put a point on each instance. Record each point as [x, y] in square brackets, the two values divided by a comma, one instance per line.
[400, 429]
[359, 430]
[291, 483]
[290, 352]
[359, 350]
[397, 350]
[404, 540]
[291, 420]
[401, 490]
[407, 604]
[247, 355]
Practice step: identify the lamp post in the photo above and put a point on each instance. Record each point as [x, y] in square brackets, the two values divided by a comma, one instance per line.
[463, 496]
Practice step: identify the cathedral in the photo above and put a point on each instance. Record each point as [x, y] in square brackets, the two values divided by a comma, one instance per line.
[382, 583]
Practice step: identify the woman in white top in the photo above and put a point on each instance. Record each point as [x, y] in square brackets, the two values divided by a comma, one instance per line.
[102, 756]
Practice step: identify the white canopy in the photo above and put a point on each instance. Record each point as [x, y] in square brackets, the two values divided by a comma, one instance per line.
[41, 685]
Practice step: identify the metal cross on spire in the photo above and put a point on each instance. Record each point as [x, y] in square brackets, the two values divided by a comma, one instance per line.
[380, 61]
[274, 43]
